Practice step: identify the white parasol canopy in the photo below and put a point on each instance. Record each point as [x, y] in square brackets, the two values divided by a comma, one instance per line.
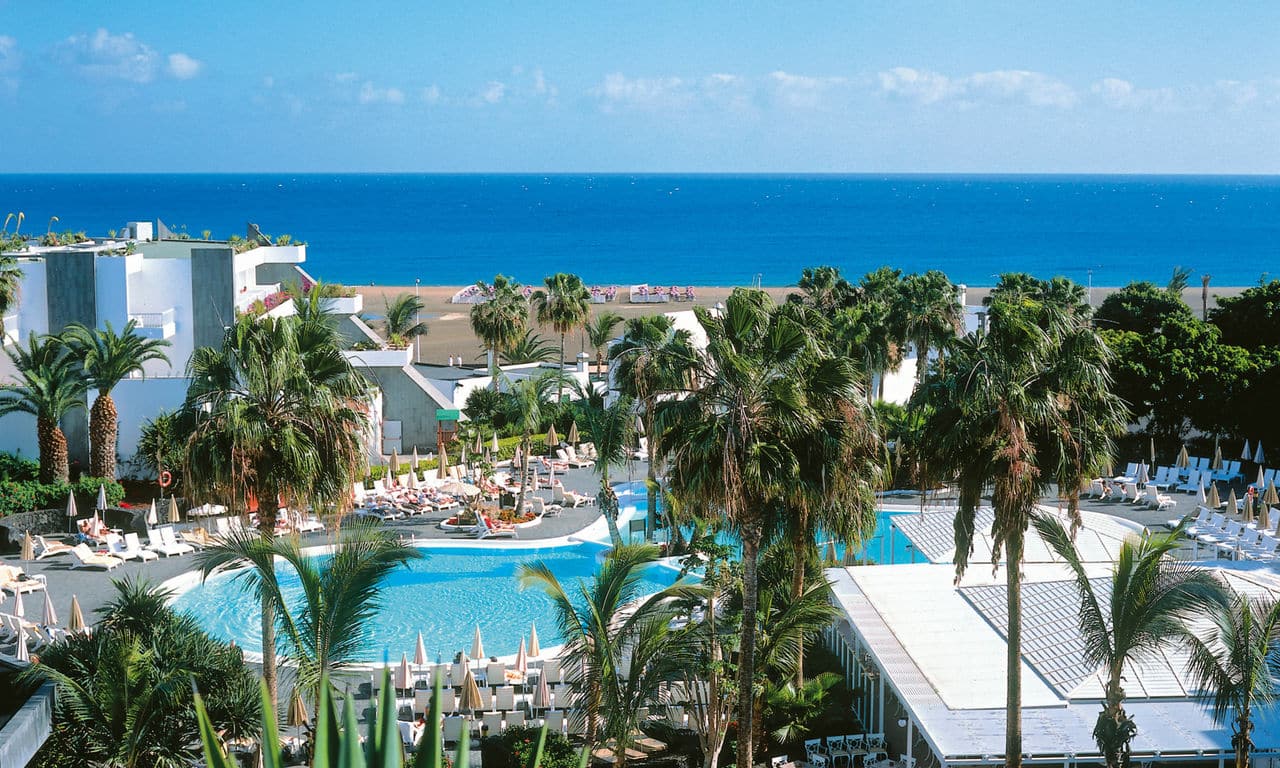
[1246, 454]
[420, 652]
[152, 518]
[1258, 455]
[477, 646]
[522, 659]
[102, 497]
[542, 696]
[50, 615]
[534, 650]
[18, 609]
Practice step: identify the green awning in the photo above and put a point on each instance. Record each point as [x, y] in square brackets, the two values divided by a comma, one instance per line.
[448, 414]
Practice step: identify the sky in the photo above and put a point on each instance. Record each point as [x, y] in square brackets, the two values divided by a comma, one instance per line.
[655, 86]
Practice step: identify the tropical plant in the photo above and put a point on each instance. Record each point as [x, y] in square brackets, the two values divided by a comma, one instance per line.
[50, 386]
[529, 348]
[622, 645]
[10, 282]
[609, 429]
[162, 444]
[929, 312]
[1234, 663]
[652, 359]
[1022, 405]
[124, 693]
[866, 329]
[796, 705]
[527, 405]
[711, 680]
[402, 324]
[501, 321]
[564, 304]
[599, 330]
[279, 420]
[824, 289]
[109, 358]
[1128, 618]
[758, 385]
[340, 592]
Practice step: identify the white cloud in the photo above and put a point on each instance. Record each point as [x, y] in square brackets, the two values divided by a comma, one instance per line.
[619, 92]
[183, 67]
[431, 94]
[492, 93]
[1122, 94]
[371, 94]
[345, 77]
[105, 56]
[1007, 85]
[10, 57]
[802, 91]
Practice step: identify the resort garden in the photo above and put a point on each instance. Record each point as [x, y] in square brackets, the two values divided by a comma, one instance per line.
[758, 445]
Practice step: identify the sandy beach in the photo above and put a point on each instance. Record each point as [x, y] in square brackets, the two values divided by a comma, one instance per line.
[450, 333]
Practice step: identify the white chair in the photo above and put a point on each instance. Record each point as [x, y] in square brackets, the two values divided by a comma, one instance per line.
[814, 754]
[515, 718]
[492, 722]
[551, 671]
[1192, 483]
[505, 698]
[128, 548]
[453, 728]
[45, 548]
[554, 721]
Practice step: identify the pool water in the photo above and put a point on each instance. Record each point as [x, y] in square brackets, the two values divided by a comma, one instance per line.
[444, 596]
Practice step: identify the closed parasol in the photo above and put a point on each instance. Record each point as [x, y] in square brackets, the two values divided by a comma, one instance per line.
[542, 696]
[420, 652]
[152, 518]
[477, 646]
[1233, 505]
[443, 470]
[77, 616]
[18, 609]
[1247, 453]
[297, 711]
[573, 433]
[552, 438]
[22, 653]
[173, 510]
[470, 700]
[102, 498]
[478, 448]
[28, 547]
[1258, 456]
[1271, 496]
[493, 444]
[1212, 500]
[72, 514]
[1217, 458]
[522, 659]
[50, 615]
[534, 650]
[1183, 458]
[404, 680]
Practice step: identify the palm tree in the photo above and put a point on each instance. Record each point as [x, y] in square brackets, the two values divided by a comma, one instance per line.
[500, 322]
[609, 429]
[274, 418]
[620, 647]
[50, 387]
[526, 404]
[10, 281]
[565, 304]
[599, 333]
[929, 311]
[653, 358]
[710, 681]
[1234, 663]
[401, 323]
[1024, 404]
[757, 384]
[531, 348]
[109, 358]
[340, 593]
[1148, 600]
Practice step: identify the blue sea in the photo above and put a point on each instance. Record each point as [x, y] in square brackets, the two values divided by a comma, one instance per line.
[394, 229]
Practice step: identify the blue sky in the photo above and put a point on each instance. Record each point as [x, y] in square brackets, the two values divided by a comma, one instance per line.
[1168, 87]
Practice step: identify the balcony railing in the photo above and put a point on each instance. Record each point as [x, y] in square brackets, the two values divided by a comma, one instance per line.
[153, 319]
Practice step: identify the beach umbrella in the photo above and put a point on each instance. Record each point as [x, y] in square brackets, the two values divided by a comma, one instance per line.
[415, 457]
[1246, 508]
[1217, 457]
[1153, 451]
[1271, 497]
[102, 497]
[542, 696]
[1232, 503]
[1201, 495]
[413, 478]
[23, 654]
[1258, 455]
[494, 443]
[402, 673]
[1183, 458]
[395, 463]
[18, 609]
[573, 433]
[72, 514]
[50, 615]
[462, 459]
[443, 470]
[1262, 479]
[173, 510]
[477, 646]
[28, 547]
[1212, 501]
[77, 616]
[534, 650]
[1264, 517]
[152, 518]
[522, 659]
[552, 438]
[1246, 454]
[297, 711]
[420, 652]
[470, 693]
[478, 448]
[1144, 476]
[515, 457]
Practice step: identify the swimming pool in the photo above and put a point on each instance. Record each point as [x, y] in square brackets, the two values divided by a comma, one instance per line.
[445, 595]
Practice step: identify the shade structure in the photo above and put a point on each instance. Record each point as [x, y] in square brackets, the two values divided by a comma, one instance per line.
[1258, 455]
[1153, 451]
[1264, 517]
[102, 497]
[542, 696]
[50, 615]
[173, 510]
[18, 609]
[553, 439]
[534, 650]
[395, 464]
[420, 652]
[1262, 479]
[522, 659]
[1144, 476]
[1271, 496]
[1183, 458]
[76, 624]
[462, 458]
[28, 547]
[1200, 496]
[478, 447]
[23, 654]
[1232, 503]
[297, 711]
[493, 444]
[477, 646]
[152, 518]
[573, 433]
[457, 488]
[403, 679]
[413, 478]
[1212, 500]
[1247, 453]
[442, 471]
[1246, 508]
[1217, 458]
[72, 514]
[470, 700]
[415, 457]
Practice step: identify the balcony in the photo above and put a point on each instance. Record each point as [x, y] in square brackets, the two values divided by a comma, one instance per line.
[343, 305]
[379, 358]
[12, 335]
[156, 325]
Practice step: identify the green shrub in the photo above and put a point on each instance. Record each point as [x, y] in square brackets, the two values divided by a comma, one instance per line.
[25, 496]
[515, 748]
[18, 469]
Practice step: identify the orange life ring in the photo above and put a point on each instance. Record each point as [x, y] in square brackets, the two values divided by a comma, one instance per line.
[166, 479]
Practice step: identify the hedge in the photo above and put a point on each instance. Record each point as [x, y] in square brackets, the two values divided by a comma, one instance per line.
[23, 496]
[18, 469]
[506, 449]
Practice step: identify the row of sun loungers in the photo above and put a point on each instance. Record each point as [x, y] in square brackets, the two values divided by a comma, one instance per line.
[1233, 538]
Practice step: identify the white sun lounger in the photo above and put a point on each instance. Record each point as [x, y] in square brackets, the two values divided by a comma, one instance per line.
[87, 558]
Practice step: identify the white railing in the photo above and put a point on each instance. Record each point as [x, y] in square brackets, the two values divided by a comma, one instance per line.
[153, 319]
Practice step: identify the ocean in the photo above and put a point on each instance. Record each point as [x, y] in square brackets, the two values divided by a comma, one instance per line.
[393, 229]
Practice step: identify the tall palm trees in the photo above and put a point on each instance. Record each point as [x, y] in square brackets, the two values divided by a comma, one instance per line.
[401, 322]
[757, 385]
[565, 304]
[50, 386]
[599, 333]
[1019, 406]
[653, 358]
[109, 358]
[929, 312]
[1147, 602]
[1234, 662]
[501, 321]
[609, 428]
[274, 418]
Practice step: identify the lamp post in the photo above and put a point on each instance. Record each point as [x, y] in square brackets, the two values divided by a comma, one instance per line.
[417, 338]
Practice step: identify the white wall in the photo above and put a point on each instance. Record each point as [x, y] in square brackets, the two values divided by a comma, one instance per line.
[33, 297]
[112, 284]
[162, 284]
[137, 401]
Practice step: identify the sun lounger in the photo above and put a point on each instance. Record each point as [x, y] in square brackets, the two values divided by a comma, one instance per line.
[489, 529]
[554, 721]
[1267, 548]
[120, 547]
[492, 723]
[568, 498]
[453, 728]
[515, 718]
[166, 544]
[87, 558]
[45, 548]
[505, 697]
[1192, 483]
[13, 579]
[1161, 502]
